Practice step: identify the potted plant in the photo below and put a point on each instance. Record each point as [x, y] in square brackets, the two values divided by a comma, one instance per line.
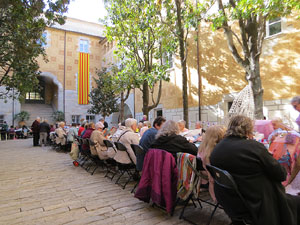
[22, 117]
[58, 116]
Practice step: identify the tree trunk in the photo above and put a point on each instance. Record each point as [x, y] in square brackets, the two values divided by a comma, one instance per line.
[183, 63]
[145, 98]
[255, 83]
[122, 105]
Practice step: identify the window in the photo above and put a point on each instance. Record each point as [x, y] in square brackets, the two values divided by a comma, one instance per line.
[1, 119]
[44, 39]
[44, 36]
[90, 118]
[159, 112]
[33, 96]
[273, 27]
[36, 96]
[84, 46]
[76, 119]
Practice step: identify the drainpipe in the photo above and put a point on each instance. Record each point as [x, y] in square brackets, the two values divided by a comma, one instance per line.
[64, 94]
[13, 108]
[198, 70]
[134, 103]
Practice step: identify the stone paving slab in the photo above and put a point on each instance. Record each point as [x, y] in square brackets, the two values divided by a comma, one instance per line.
[41, 186]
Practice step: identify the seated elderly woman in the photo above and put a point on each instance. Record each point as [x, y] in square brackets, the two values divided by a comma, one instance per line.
[119, 131]
[61, 134]
[72, 133]
[182, 129]
[278, 127]
[258, 176]
[127, 137]
[146, 125]
[213, 136]
[99, 148]
[168, 138]
[87, 134]
[196, 134]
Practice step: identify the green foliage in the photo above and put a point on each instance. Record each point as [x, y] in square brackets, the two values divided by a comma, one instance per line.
[22, 25]
[251, 9]
[250, 18]
[141, 40]
[104, 97]
[22, 116]
[58, 116]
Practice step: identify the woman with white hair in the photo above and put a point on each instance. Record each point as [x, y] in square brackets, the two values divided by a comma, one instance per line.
[128, 137]
[99, 148]
[61, 134]
[145, 127]
[182, 129]
[168, 139]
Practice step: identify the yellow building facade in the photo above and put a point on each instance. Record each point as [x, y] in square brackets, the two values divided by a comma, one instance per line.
[222, 78]
[59, 75]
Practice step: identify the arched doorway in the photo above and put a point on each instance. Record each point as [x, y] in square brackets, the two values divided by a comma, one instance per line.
[44, 102]
[115, 119]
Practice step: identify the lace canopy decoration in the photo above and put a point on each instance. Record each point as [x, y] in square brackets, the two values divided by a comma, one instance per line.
[243, 104]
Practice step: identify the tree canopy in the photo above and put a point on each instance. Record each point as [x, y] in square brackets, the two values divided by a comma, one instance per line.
[104, 98]
[141, 41]
[22, 23]
[250, 16]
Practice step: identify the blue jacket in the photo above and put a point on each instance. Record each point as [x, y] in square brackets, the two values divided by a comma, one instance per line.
[146, 140]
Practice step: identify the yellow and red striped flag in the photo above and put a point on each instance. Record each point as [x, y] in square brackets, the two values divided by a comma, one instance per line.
[83, 78]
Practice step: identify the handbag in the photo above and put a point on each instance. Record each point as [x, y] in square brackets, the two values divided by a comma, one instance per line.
[74, 151]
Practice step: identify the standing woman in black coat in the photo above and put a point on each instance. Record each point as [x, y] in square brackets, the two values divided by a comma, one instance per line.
[258, 177]
[168, 138]
[35, 128]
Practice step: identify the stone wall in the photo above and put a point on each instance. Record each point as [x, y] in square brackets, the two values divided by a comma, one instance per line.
[6, 109]
[216, 114]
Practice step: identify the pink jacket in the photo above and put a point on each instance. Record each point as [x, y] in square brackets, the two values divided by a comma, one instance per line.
[159, 179]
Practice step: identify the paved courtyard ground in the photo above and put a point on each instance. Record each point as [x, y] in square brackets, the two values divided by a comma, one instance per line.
[41, 186]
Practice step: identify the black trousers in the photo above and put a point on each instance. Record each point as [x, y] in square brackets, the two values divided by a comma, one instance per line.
[36, 138]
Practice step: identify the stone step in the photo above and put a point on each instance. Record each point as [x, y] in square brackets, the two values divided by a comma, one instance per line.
[38, 110]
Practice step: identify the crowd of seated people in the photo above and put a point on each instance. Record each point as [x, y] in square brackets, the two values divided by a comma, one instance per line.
[257, 174]
[18, 132]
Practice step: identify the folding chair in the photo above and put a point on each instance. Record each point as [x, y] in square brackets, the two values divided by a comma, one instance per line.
[138, 151]
[86, 153]
[199, 199]
[225, 181]
[125, 168]
[98, 162]
[56, 146]
[110, 163]
[81, 156]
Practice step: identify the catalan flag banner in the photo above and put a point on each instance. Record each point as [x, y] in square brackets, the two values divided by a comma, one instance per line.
[83, 78]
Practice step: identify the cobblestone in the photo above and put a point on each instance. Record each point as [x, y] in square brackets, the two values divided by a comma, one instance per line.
[41, 186]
